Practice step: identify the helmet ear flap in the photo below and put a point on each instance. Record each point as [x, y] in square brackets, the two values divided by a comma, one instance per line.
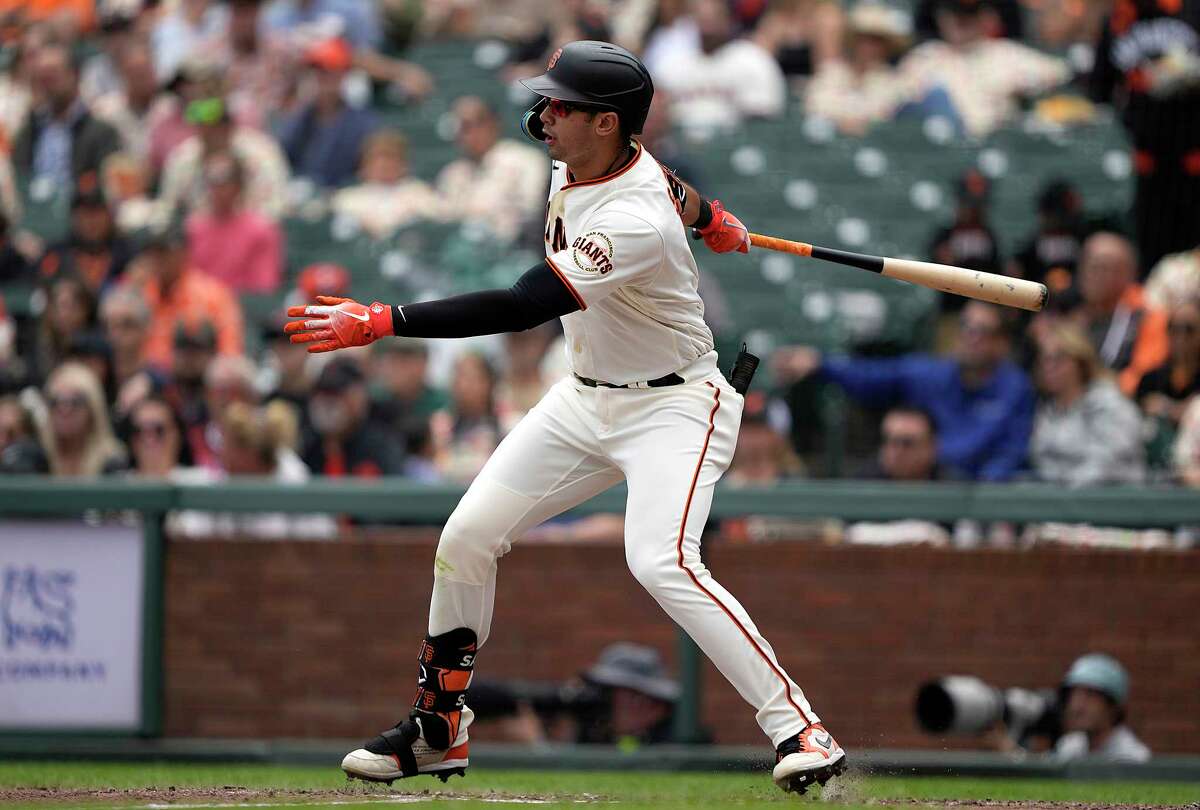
[531, 122]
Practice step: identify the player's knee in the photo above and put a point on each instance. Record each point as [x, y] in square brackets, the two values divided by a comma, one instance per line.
[466, 549]
[653, 571]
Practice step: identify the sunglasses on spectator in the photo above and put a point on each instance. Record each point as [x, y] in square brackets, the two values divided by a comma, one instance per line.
[1183, 328]
[905, 442]
[156, 429]
[561, 109]
[976, 328]
[68, 401]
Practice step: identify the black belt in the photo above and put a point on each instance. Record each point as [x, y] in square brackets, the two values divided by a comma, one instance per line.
[661, 382]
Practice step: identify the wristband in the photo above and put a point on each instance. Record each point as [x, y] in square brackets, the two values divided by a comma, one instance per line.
[704, 218]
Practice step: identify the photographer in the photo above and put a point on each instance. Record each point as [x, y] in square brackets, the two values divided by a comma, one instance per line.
[1095, 692]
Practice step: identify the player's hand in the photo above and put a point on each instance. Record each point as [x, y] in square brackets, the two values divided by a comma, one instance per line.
[794, 363]
[726, 232]
[338, 323]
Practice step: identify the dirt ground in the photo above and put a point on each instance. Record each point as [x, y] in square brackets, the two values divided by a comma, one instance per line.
[235, 796]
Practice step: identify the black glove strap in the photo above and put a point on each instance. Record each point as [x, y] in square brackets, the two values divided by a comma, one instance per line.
[705, 216]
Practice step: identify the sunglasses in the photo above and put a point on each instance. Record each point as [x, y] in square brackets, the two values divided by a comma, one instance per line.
[561, 109]
[156, 429]
[901, 441]
[68, 401]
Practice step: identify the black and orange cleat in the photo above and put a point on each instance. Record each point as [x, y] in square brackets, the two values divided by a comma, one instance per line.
[812, 756]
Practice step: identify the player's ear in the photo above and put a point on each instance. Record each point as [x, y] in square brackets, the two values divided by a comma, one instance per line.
[607, 123]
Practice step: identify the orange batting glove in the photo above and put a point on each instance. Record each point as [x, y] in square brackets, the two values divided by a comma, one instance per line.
[338, 323]
[726, 232]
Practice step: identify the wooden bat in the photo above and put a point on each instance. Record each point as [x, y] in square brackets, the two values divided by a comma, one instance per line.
[1011, 292]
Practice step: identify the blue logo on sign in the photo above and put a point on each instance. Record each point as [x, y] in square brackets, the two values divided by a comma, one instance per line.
[37, 608]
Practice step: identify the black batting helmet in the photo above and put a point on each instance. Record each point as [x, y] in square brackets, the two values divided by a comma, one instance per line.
[598, 74]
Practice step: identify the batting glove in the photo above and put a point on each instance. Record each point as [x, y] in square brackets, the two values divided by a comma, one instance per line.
[338, 323]
[725, 233]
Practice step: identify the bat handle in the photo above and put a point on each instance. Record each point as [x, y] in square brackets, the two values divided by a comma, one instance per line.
[782, 245]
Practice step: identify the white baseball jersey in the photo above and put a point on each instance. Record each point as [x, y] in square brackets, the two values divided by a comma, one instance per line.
[619, 244]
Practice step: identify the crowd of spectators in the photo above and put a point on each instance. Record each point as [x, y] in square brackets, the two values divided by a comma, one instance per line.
[178, 131]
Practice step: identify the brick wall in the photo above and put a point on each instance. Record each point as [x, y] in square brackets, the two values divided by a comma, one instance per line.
[318, 639]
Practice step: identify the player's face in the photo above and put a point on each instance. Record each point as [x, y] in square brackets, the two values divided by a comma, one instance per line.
[570, 131]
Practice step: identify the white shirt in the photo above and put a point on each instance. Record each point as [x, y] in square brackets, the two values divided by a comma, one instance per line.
[718, 90]
[1121, 746]
[619, 244]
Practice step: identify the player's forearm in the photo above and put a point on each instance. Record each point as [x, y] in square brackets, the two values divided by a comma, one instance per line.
[537, 297]
[696, 212]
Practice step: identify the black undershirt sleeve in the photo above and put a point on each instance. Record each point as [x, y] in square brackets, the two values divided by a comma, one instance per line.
[538, 296]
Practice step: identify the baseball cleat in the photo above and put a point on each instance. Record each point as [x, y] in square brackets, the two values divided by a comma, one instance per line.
[811, 756]
[401, 752]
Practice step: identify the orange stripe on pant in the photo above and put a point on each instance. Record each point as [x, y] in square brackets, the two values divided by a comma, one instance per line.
[695, 581]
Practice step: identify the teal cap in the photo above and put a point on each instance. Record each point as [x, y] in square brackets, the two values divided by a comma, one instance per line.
[1102, 673]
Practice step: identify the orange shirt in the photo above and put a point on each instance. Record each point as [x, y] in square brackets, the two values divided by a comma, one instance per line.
[195, 298]
[1151, 348]
[84, 11]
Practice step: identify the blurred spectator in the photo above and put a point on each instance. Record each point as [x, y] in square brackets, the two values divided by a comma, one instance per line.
[16, 81]
[1129, 337]
[93, 251]
[1174, 278]
[324, 138]
[763, 455]
[13, 264]
[181, 296]
[1085, 432]
[306, 22]
[196, 78]
[126, 321]
[973, 79]
[227, 380]
[641, 695]
[497, 183]
[1164, 392]
[125, 182]
[1000, 18]
[12, 368]
[75, 436]
[129, 108]
[465, 434]
[523, 382]
[1096, 690]
[265, 165]
[1148, 66]
[969, 241]
[659, 139]
[99, 75]
[240, 248]
[91, 350]
[262, 69]
[1053, 250]
[255, 441]
[553, 25]
[908, 448]
[981, 402]
[10, 197]
[862, 87]
[387, 197]
[288, 374]
[345, 441]
[401, 397]
[70, 310]
[1186, 454]
[182, 29]
[156, 439]
[195, 350]
[61, 139]
[18, 440]
[731, 79]
[673, 34]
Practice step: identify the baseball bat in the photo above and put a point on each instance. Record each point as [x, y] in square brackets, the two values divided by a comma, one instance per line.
[997, 289]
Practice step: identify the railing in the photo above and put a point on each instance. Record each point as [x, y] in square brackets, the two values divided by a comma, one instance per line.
[403, 500]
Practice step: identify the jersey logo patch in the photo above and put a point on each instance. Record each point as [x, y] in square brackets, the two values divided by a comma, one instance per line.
[593, 253]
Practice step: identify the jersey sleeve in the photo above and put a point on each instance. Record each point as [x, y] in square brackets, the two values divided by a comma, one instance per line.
[614, 249]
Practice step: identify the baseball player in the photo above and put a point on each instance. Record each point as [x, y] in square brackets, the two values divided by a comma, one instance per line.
[644, 403]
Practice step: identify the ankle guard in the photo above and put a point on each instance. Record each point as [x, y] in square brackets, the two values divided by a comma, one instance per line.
[445, 664]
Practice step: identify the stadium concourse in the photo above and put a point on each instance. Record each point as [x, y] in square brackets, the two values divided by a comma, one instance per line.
[1012, 490]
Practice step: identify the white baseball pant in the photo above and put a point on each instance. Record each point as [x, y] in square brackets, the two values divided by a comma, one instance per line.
[672, 445]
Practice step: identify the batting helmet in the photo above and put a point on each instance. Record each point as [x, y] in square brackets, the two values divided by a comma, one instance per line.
[598, 74]
[1102, 673]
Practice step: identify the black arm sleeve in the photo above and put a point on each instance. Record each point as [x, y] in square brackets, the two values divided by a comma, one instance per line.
[538, 296]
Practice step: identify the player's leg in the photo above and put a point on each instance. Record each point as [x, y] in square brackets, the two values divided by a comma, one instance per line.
[672, 467]
[549, 463]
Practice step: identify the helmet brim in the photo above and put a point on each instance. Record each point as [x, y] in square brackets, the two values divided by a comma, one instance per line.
[546, 87]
